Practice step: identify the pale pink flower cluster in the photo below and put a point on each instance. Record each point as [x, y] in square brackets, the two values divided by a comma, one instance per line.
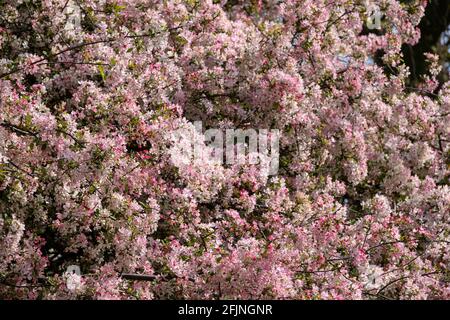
[360, 208]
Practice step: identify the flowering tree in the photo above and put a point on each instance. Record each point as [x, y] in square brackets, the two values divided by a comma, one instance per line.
[360, 208]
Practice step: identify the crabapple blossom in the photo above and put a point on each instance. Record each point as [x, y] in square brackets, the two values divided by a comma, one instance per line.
[359, 207]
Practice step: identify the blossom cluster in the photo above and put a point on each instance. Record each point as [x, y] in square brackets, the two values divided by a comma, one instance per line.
[360, 208]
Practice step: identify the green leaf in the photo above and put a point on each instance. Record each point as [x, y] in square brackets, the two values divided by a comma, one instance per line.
[101, 70]
[28, 121]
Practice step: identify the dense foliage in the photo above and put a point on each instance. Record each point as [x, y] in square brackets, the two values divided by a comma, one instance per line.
[360, 208]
